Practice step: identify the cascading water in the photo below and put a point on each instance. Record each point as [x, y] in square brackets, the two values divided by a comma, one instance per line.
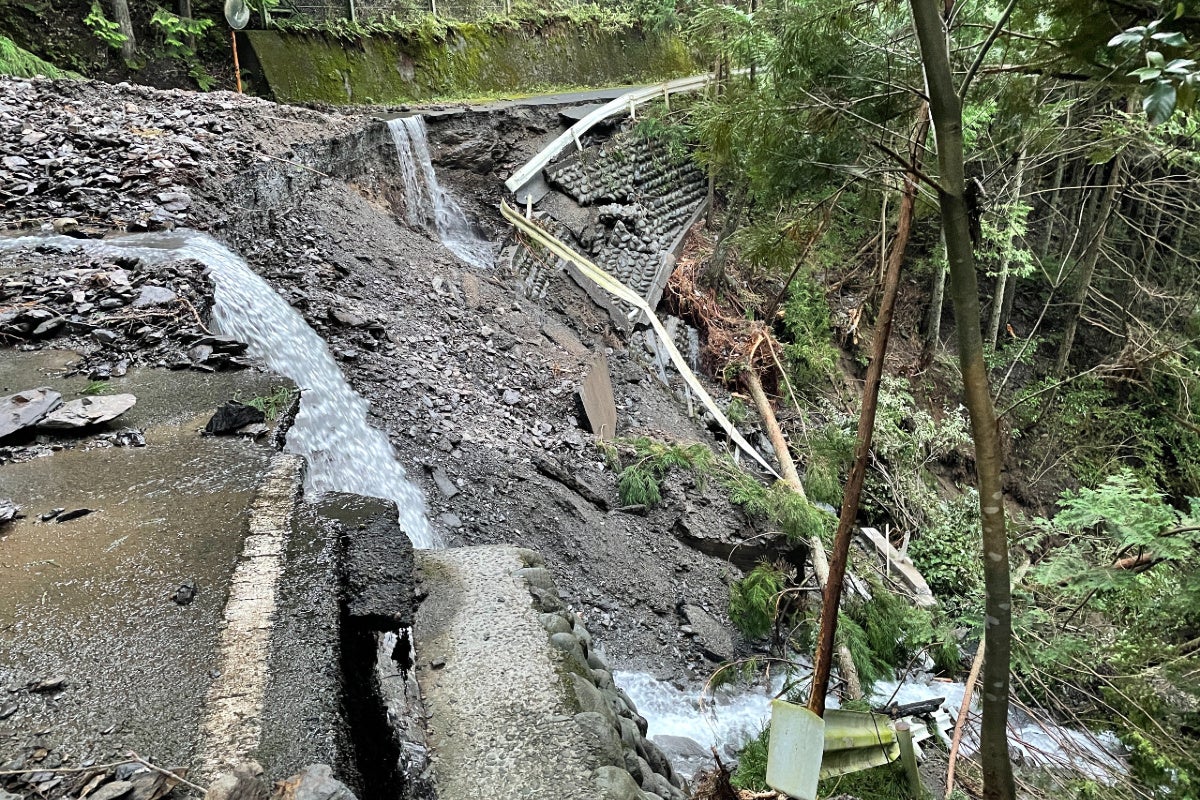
[429, 206]
[731, 717]
[344, 453]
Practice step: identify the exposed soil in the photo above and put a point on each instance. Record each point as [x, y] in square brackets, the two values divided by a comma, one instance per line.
[463, 373]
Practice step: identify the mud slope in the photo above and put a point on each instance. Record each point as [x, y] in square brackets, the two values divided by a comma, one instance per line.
[473, 383]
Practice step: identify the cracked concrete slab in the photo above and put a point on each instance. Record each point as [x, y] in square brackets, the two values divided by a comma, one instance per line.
[502, 724]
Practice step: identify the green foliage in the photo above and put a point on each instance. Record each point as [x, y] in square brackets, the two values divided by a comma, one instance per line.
[430, 29]
[751, 772]
[754, 600]
[104, 29]
[799, 519]
[830, 451]
[888, 782]
[1122, 518]
[175, 33]
[1172, 84]
[886, 632]
[948, 550]
[94, 388]
[20, 63]
[640, 481]
[275, 403]
[810, 352]
[737, 411]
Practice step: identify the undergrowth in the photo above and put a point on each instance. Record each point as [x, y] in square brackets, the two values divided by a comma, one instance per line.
[275, 403]
[20, 63]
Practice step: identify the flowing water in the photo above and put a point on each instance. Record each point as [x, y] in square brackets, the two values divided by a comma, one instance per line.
[344, 453]
[429, 206]
[727, 720]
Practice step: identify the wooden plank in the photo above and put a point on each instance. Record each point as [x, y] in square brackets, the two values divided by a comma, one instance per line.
[599, 407]
[901, 566]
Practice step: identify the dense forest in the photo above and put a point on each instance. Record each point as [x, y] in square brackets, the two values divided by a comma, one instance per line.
[1013, 184]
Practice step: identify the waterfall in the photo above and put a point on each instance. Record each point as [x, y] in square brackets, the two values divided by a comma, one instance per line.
[344, 453]
[428, 205]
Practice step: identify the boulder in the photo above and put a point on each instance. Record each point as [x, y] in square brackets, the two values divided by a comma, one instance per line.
[315, 782]
[153, 296]
[23, 409]
[713, 638]
[615, 783]
[88, 411]
[232, 415]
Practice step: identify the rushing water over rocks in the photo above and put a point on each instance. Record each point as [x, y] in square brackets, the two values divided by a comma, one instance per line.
[429, 206]
[733, 716]
[344, 453]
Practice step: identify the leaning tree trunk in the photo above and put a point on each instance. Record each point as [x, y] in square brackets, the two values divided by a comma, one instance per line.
[125, 23]
[1003, 279]
[946, 108]
[1091, 256]
[820, 562]
[831, 597]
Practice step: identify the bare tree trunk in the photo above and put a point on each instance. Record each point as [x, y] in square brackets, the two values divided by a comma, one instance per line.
[787, 468]
[1088, 269]
[185, 12]
[1151, 242]
[1002, 280]
[946, 107]
[1051, 198]
[937, 299]
[125, 22]
[832, 595]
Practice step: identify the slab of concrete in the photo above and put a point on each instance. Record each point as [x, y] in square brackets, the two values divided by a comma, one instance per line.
[501, 725]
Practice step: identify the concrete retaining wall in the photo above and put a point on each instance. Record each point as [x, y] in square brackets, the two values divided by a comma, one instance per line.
[471, 61]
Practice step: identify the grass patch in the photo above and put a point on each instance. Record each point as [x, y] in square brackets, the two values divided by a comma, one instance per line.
[274, 404]
[20, 63]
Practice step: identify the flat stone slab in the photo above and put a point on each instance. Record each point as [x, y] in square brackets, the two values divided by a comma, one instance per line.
[23, 409]
[88, 411]
[500, 726]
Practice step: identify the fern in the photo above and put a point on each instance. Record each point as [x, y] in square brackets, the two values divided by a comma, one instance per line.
[753, 600]
[640, 482]
[20, 63]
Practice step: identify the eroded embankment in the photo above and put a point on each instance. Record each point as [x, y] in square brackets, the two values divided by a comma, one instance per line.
[472, 382]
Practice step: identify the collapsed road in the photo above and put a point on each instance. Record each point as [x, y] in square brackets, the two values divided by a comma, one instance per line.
[202, 615]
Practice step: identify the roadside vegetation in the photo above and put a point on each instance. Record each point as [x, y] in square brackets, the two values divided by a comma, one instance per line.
[1077, 190]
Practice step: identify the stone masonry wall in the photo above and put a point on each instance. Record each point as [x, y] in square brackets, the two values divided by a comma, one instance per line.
[633, 766]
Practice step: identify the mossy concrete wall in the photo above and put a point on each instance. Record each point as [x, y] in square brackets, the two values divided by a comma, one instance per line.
[471, 62]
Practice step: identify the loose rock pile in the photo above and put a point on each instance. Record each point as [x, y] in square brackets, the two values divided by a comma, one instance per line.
[46, 774]
[87, 154]
[117, 314]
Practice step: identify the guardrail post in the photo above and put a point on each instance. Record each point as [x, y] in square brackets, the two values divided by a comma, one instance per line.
[908, 756]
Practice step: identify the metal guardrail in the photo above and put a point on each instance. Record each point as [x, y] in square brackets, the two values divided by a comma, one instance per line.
[622, 292]
[572, 135]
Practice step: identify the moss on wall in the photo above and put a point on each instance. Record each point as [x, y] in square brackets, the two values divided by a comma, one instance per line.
[472, 61]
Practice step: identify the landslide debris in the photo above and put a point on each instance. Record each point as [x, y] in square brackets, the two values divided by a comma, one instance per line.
[95, 156]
